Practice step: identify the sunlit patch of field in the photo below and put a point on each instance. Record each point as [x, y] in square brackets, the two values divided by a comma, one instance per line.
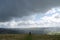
[28, 37]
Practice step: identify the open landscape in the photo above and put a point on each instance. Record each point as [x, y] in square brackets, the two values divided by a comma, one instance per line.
[28, 37]
[30, 34]
[29, 19]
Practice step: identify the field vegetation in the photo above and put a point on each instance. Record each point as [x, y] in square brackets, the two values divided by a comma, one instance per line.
[28, 37]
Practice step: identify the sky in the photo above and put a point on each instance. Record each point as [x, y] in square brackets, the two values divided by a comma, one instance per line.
[29, 13]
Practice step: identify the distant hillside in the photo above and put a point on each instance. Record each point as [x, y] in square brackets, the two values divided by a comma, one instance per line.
[32, 30]
[10, 31]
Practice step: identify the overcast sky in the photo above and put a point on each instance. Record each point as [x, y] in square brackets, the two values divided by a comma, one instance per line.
[29, 13]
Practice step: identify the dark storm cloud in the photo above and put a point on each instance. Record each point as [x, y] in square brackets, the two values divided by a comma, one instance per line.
[19, 8]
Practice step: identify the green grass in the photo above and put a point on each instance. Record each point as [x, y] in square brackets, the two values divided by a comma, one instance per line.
[28, 37]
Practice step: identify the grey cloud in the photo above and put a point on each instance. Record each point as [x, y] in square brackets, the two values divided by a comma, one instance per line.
[19, 8]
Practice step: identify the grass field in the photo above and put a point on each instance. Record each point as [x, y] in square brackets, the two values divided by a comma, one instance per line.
[28, 37]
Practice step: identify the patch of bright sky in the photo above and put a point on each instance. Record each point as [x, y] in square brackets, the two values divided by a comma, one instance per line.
[52, 11]
[39, 16]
